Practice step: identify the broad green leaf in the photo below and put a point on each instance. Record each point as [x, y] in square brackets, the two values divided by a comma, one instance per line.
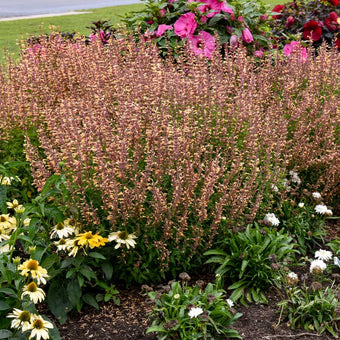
[74, 292]
[5, 333]
[97, 255]
[4, 306]
[90, 300]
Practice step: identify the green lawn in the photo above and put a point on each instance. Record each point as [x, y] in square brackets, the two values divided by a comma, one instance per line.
[11, 32]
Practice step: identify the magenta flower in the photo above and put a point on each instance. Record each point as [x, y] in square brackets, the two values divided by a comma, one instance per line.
[233, 41]
[162, 28]
[295, 47]
[185, 25]
[203, 43]
[290, 21]
[258, 53]
[247, 36]
[213, 6]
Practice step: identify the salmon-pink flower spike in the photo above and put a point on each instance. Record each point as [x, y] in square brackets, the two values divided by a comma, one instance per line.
[204, 44]
[312, 30]
[162, 28]
[185, 25]
[247, 36]
[295, 47]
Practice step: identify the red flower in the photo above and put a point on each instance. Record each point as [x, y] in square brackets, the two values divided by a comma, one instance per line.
[312, 30]
[278, 8]
[334, 2]
[290, 21]
[337, 43]
[331, 22]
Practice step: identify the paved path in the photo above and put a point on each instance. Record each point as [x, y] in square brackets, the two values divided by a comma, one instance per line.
[18, 8]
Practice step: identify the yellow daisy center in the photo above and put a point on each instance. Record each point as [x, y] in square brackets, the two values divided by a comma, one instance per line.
[38, 324]
[32, 265]
[123, 235]
[24, 316]
[32, 287]
[3, 218]
[62, 241]
[59, 226]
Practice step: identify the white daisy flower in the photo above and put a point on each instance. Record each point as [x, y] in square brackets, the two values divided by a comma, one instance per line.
[301, 205]
[323, 210]
[39, 327]
[122, 237]
[271, 220]
[32, 267]
[62, 230]
[195, 312]
[316, 195]
[275, 188]
[35, 294]
[21, 319]
[317, 267]
[324, 255]
[230, 303]
[295, 177]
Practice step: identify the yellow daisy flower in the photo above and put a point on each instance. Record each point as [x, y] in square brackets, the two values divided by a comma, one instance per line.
[35, 294]
[3, 234]
[12, 205]
[39, 327]
[22, 319]
[90, 240]
[32, 267]
[8, 222]
[123, 237]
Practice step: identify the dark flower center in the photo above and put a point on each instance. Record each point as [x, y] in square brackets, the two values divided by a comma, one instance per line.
[32, 265]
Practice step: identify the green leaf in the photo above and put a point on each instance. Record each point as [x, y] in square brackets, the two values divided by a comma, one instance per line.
[8, 291]
[5, 333]
[25, 238]
[90, 300]
[155, 329]
[97, 255]
[58, 301]
[50, 261]
[108, 270]
[4, 306]
[74, 292]
[236, 285]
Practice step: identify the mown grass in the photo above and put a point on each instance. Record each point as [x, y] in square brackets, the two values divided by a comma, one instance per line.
[11, 32]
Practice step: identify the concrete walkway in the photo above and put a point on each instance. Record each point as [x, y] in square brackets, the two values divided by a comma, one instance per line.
[42, 8]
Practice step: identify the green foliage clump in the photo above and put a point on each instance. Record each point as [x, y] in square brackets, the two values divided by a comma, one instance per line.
[186, 312]
[251, 259]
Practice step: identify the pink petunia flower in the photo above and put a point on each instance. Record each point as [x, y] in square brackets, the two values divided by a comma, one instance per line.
[202, 44]
[162, 28]
[247, 36]
[185, 25]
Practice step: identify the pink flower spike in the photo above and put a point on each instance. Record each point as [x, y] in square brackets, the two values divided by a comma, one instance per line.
[185, 25]
[247, 36]
[162, 28]
[204, 44]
